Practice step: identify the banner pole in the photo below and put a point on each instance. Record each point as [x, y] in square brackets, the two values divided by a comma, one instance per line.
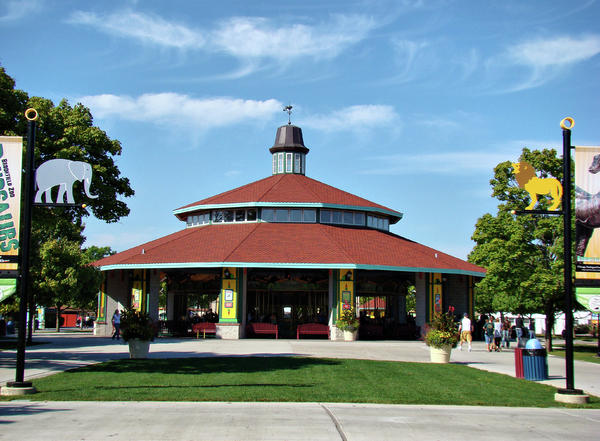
[19, 383]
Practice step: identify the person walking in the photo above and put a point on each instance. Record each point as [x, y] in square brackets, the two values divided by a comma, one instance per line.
[519, 329]
[465, 329]
[497, 334]
[488, 332]
[116, 322]
[506, 333]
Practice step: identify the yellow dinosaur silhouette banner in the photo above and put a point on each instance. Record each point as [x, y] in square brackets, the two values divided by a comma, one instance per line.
[587, 214]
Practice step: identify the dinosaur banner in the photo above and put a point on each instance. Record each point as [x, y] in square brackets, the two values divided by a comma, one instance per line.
[11, 152]
[587, 215]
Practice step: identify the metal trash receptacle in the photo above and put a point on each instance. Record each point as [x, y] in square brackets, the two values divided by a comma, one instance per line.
[535, 361]
[519, 363]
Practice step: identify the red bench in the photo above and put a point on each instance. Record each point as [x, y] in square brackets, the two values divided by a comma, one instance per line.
[262, 328]
[205, 328]
[313, 329]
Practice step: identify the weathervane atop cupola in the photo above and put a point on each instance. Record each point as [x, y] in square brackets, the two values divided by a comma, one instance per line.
[289, 151]
[288, 109]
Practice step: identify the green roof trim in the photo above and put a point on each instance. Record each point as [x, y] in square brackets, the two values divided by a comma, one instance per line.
[289, 265]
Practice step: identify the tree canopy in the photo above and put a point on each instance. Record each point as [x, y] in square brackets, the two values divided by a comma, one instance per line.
[67, 132]
[523, 253]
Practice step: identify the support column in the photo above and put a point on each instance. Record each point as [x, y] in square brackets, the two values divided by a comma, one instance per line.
[229, 327]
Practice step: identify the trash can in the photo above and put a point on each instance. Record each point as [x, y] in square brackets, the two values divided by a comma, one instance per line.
[535, 363]
[519, 363]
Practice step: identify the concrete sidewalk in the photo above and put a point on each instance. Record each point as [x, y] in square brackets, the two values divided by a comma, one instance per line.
[164, 421]
[26, 420]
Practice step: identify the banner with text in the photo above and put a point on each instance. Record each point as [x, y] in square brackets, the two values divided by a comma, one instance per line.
[11, 154]
[587, 215]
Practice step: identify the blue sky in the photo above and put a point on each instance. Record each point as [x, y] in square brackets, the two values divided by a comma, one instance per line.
[409, 104]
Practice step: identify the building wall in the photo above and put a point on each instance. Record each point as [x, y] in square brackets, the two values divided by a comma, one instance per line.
[421, 298]
[117, 284]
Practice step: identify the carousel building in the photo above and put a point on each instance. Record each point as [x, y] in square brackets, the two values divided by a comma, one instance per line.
[287, 250]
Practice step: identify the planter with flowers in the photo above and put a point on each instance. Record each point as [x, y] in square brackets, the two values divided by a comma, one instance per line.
[138, 330]
[348, 324]
[442, 336]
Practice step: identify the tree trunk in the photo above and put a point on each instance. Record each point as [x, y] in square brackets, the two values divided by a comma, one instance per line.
[57, 318]
[549, 326]
[30, 325]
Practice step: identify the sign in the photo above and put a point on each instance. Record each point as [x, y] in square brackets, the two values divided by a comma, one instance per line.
[527, 180]
[589, 297]
[11, 160]
[7, 288]
[587, 214]
[228, 300]
[346, 290]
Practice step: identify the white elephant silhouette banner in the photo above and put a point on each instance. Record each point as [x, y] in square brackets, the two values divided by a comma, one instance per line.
[62, 174]
[11, 154]
[587, 215]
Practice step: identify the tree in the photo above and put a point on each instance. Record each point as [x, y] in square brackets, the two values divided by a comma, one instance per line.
[67, 132]
[523, 254]
[66, 277]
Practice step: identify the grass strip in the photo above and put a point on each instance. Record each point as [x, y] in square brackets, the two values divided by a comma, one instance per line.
[580, 352]
[292, 379]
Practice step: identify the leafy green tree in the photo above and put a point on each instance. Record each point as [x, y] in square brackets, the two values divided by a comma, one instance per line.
[523, 253]
[66, 277]
[67, 132]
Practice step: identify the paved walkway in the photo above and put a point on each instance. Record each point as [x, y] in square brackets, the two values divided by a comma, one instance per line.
[25, 420]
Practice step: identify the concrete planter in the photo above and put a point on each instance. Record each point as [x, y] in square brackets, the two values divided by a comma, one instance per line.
[440, 355]
[139, 348]
[350, 335]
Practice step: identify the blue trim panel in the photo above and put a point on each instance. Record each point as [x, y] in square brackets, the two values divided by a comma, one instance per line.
[289, 265]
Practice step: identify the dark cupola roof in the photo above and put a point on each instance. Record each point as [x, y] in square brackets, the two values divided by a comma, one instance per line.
[289, 139]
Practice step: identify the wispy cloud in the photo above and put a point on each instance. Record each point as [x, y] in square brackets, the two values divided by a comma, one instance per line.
[538, 61]
[483, 160]
[142, 27]
[559, 51]
[441, 162]
[15, 10]
[182, 110]
[247, 39]
[353, 118]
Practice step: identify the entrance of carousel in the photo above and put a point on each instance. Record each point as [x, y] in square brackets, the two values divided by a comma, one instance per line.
[288, 309]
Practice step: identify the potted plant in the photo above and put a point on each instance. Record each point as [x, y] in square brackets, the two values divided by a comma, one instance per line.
[138, 330]
[442, 336]
[348, 324]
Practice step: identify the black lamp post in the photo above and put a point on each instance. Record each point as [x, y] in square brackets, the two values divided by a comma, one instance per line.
[566, 125]
[21, 386]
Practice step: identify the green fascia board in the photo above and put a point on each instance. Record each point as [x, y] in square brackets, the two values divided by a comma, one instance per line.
[289, 265]
[287, 205]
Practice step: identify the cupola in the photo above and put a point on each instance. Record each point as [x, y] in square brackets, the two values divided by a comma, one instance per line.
[289, 151]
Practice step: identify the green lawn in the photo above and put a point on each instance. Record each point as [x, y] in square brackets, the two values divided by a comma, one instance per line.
[292, 379]
[580, 352]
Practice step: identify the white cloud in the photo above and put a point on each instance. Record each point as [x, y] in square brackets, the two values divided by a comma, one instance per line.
[353, 118]
[142, 27]
[16, 10]
[408, 54]
[536, 62]
[447, 163]
[240, 37]
[483, 160]
[173, 108]
[557, 51]
[246, 37]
